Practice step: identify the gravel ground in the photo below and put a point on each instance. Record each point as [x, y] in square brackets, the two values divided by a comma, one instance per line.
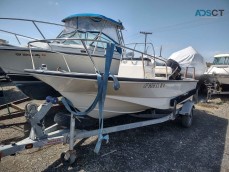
[162, 147]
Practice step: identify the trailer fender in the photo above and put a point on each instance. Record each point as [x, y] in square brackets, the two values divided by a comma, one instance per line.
[187, 107]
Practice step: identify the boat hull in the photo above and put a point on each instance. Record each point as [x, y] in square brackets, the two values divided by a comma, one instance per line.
[16, 59]
[224, 82]
[218, 69]
[33, 87]
[223, 79]
[134, 95]
[13, 61]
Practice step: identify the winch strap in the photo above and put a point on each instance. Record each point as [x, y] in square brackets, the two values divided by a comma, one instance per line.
[116, 84]
[69, 106]
[109, 55]
[102, 81]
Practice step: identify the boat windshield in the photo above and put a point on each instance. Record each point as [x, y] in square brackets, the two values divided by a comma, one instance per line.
[89, 28]
[221, 60]
[92, 35]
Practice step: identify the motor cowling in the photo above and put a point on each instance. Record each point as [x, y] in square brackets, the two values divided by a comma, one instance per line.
[176, 69]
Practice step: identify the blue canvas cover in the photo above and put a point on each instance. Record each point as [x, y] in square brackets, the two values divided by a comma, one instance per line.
[119, 24]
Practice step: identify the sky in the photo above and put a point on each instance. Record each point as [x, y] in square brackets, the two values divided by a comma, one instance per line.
[175, 24]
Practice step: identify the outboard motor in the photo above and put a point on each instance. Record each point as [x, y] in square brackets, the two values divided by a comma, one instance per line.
[176, 75]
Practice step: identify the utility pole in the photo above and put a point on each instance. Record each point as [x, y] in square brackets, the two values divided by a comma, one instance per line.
[145, 33]
[160, 51]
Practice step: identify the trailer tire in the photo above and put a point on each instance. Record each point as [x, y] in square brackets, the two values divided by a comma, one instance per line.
[202, 88]
[63, 119]
[186, 120]
[67, 160]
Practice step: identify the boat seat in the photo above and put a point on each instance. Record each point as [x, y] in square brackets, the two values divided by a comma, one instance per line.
[128, 68]
[161, 70]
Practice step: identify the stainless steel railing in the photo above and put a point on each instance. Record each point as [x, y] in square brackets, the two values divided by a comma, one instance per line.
[143, 55]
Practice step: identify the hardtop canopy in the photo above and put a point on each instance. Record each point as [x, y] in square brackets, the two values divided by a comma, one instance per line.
[221, 55]
[94, 23]
[94, 16]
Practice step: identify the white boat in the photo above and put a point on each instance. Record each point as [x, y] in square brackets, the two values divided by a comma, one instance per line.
[71, 54]
[220, 65]
[216, 78]
[14, 59]
[220, 68]
[140, 89]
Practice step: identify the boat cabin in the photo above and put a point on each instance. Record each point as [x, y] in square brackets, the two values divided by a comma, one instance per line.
[221, 59]
[92, 26]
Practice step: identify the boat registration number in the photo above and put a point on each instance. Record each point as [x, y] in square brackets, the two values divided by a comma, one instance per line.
[27, 54]
[154, 85]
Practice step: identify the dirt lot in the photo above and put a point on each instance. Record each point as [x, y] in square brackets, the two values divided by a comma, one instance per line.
[163, 147]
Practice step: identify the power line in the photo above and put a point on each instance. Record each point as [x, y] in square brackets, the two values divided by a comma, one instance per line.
[187, 24]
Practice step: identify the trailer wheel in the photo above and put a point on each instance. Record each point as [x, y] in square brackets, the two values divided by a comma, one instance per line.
[62, 119]
[202, 87]
[68, 158]
[186, 120]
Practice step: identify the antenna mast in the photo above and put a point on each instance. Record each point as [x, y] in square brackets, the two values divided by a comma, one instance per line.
[145, 33]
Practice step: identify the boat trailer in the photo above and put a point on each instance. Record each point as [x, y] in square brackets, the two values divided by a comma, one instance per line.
[209, 86]
[40, 136]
